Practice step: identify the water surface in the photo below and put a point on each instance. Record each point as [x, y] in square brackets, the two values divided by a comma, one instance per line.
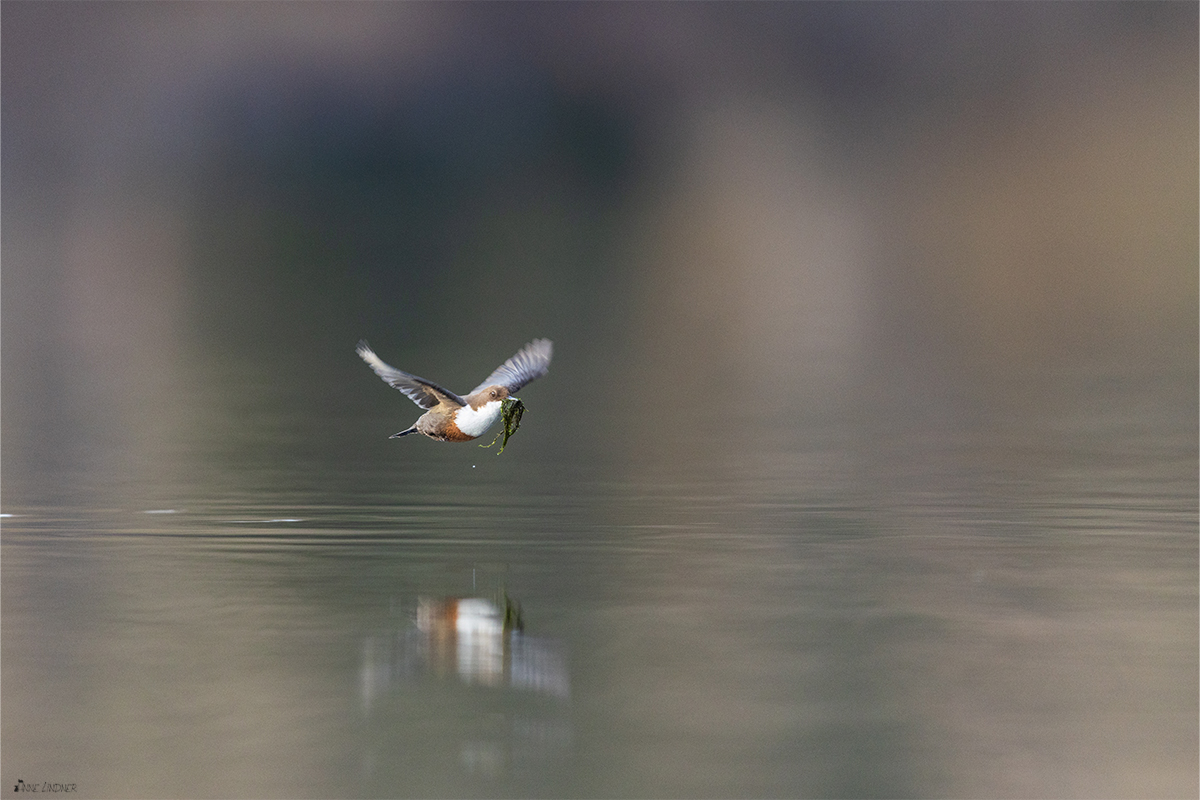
[977, 614]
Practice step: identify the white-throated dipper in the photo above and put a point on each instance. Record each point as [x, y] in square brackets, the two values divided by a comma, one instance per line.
[451, 418]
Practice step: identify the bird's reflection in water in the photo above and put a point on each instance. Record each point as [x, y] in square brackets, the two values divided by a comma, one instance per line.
[478, 640]
[470, 637]
[480, 643]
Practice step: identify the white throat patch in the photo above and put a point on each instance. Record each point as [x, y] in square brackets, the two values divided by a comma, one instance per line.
[473, 422]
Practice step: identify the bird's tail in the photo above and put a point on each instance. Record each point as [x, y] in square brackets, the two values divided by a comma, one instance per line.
[413, 429]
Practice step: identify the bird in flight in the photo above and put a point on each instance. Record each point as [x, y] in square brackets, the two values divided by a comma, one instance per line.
[451, 418]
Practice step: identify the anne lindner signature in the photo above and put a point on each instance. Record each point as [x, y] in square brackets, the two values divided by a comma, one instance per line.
[44, 786]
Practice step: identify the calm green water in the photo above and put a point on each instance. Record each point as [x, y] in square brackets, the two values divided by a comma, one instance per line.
[977, 615]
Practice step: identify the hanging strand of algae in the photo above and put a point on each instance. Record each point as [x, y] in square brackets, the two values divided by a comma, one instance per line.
[511, 410]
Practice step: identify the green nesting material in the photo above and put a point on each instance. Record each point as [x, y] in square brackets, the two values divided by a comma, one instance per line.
[511, 410]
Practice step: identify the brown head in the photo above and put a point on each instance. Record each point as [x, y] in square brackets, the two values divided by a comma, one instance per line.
[487, 395]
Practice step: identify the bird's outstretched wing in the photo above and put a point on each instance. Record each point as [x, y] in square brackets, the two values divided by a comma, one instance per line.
[419, 390]
[529, 363]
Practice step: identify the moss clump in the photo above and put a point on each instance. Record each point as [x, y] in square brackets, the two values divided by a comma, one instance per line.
[511, 410]
[513, 621]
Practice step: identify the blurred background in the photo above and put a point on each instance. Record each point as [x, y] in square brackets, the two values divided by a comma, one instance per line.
[918, 213]
[873, 252]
